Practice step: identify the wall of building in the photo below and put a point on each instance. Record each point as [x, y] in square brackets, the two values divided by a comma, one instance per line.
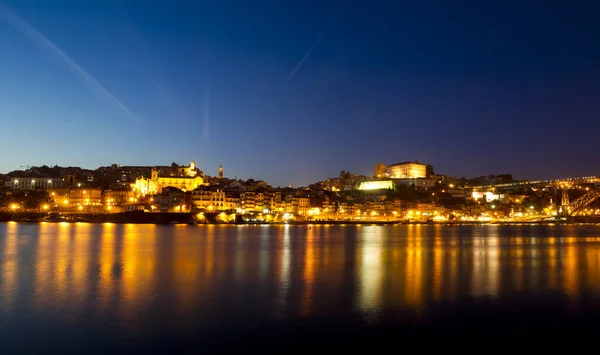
[32, 183]
[406, 170]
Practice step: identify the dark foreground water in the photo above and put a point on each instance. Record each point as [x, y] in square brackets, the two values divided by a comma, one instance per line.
[84, 288]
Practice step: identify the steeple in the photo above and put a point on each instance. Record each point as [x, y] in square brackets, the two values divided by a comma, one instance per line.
[220, 171]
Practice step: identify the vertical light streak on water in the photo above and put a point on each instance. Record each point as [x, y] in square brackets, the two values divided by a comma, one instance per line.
[107, 267]
[80, 252]
[414, 266]
[493, 264]
[438, 261]
[306, 304]
[370, 270]
[62, 261]
[264, 254]
[9, 267]
[570, 268]
[44, 266]
[284, 279]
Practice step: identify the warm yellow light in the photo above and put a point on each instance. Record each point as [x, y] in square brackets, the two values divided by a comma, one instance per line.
[80, 208]
[109, 208]
[451, 186]
[376, 185]
[66, 202]
[45, 207]
[14, 206]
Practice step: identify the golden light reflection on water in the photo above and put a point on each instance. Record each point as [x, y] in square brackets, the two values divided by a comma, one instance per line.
[413, 276]
[309, 273]
[122, 270]
[371, 271]
[9, 265]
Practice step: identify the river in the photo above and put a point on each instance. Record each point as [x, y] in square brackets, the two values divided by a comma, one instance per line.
[111, 288]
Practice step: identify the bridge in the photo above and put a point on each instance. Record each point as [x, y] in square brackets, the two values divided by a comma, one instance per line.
[554, 182]
[567, 208]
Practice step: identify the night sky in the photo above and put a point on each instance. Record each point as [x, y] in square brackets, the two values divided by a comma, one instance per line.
[292, 92]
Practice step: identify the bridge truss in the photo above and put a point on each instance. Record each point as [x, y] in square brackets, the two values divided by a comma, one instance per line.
[583, 201]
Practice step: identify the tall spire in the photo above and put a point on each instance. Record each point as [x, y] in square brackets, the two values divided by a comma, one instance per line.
[220, 171]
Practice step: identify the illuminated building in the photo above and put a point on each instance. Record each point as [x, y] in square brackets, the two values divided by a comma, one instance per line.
[76, 196]
[380, 170]
[185, 178]
[220, 171]
[406, 170]
[215, 200]
[33, 183]
[489, 196]
[376, 185]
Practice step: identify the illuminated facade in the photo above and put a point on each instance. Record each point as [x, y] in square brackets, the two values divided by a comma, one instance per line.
[33, 183]
[68, 196]
[376, 185]
[187, 179]
[380, 170]
[406, 170]
[487, 195]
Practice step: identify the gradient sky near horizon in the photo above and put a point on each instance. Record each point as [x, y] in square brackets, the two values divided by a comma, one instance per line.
[292, 92]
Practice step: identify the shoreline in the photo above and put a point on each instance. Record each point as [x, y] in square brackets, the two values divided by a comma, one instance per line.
[141, 217]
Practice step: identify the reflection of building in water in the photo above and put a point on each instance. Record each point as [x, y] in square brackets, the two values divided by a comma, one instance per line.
[414, 267]
[137, 264]
[309, 274]
[371, 270]
[185, 178]
[486, 265]
[9, 266]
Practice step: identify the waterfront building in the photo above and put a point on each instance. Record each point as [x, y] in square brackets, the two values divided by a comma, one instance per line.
[212, 200]
[186, 178]
[405, 170]
[75, 196]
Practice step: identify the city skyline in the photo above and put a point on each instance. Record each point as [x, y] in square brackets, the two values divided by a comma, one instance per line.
[294, 93]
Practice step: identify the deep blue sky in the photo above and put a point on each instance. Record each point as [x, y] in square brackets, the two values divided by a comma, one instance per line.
[295, 91]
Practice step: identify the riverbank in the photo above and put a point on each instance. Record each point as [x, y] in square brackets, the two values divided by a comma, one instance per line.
[142, 217]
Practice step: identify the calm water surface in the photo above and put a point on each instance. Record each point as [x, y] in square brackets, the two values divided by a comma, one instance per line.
[106, 288]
